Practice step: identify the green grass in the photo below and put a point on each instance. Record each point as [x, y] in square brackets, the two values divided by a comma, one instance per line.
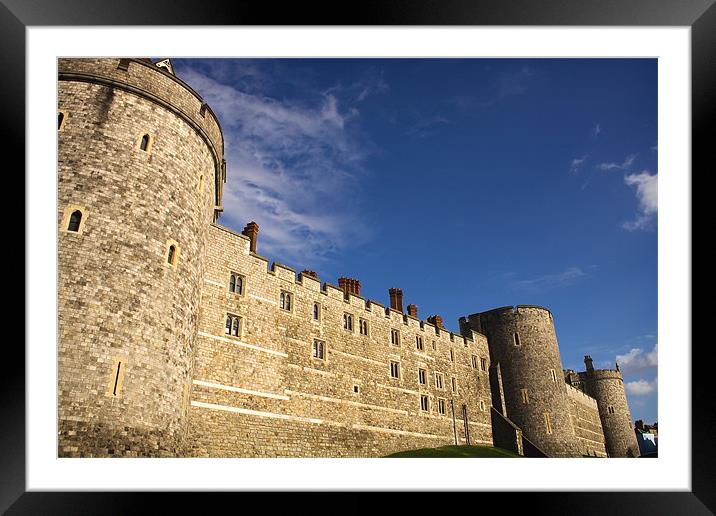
[456, 451]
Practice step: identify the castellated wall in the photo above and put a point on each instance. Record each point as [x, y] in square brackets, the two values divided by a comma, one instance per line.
[607, 387]
[263, 394]
[524, 344]
[127, 318]
[586, 423]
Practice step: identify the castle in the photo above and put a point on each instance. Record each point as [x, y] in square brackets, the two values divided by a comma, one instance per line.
[176, 339]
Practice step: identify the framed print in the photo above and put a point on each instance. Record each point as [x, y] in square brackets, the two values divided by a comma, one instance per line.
[250, 140]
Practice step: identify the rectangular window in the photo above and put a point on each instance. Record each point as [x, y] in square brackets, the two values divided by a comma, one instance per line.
[453, 381]
[348, 322]
[483, 364]
[363, 325]
[554, 375]
[236, 283]
[474, 361]
[423, 403]
[419, 342]
[452, 356]
[394, 369]
[422, 376]
[547, 423]
[316, 312]
[285, 301]
[395, 337]
[441, 406]
[435, 346]
[517, 338]
[525, 396]
[439, 380]
[319, 349]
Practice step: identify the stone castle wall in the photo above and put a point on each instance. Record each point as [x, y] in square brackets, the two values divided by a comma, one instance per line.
[127, 318]
[262, 393]
[524, 344]
[586, 423]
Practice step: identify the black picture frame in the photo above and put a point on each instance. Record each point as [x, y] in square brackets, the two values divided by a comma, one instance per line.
[699, 15]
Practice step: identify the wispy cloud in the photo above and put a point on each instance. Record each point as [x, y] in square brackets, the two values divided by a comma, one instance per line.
[425, 125]
[562, 279]
[500, 85]
[597, 129]
[641, 387]
[637, 360]
[647, 194]
[577, 163]
[372, 83]
[290, 165]
[625, 165]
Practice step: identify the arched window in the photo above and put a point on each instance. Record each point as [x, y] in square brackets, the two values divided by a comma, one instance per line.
[60, 119]
[315, 311]
[232, 283]
[235, 329]
[75, 220]
[170, 255]
[288, 301]
[144, 144]
[239, 285]
[282, 301]
[228, 325]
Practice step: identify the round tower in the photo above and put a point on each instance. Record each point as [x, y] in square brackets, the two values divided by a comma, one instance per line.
[523, 342]
[140, 175]
[607, 387]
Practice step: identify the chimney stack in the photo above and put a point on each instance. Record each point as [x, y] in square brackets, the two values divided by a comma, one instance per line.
[396, 299]
[349, 286]
[252, 231]
[437, 321]
[413, 310]
[588, 363]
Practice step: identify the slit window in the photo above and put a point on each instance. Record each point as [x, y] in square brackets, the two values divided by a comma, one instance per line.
[144, 144]
[452, 356]
[525, 396]
[554, 375]
[171, 254]
[116, 377]
[516, 336]
[316, 311]
[453, 381]
[547, 423]
[75, 220]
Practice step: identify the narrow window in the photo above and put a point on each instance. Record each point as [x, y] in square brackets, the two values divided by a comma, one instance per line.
[116, 377]
[282, 301]
[419, 342]
[483, 364]
[60, 120]
[421, 376]
[610, 409]
[239, 285]
[454, 384]
[288, 302]
[144, 144]
[316, 311]
[439, 380]
[75, 220]
[170, 256]
[395, 337]
[423, 403]
[394, 369]
[434, 346]
[363, 325]
[517, 338]
[235, 328]
[232, 283]
[547, 423]
[228, 325]
[452, 356]
[525, 396]
[474, 361]
[482, 406]
[441, 406]
[554, 375]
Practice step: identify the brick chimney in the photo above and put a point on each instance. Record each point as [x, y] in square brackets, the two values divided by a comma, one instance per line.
[252, 231]
[349, 286]
[313, 274]
[396, 299]
[413, 310]
[588, 363]
[437, 321]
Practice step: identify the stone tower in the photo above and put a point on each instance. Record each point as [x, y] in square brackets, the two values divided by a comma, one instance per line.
[140, 177]
[523, 348]
[607, 387]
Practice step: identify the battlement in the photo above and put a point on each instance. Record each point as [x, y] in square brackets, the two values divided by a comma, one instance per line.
[507, 310]
[580, 396]
[603, 374]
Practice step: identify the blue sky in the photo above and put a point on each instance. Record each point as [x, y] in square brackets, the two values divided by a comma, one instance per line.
[469, 183]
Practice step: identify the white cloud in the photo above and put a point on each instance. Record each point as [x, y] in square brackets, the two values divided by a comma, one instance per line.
[647, 195]
[636, 360]
[625, 165]
[577, 163]
[565, 278]
[292, 167]
[640, 387]
[597, 129]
